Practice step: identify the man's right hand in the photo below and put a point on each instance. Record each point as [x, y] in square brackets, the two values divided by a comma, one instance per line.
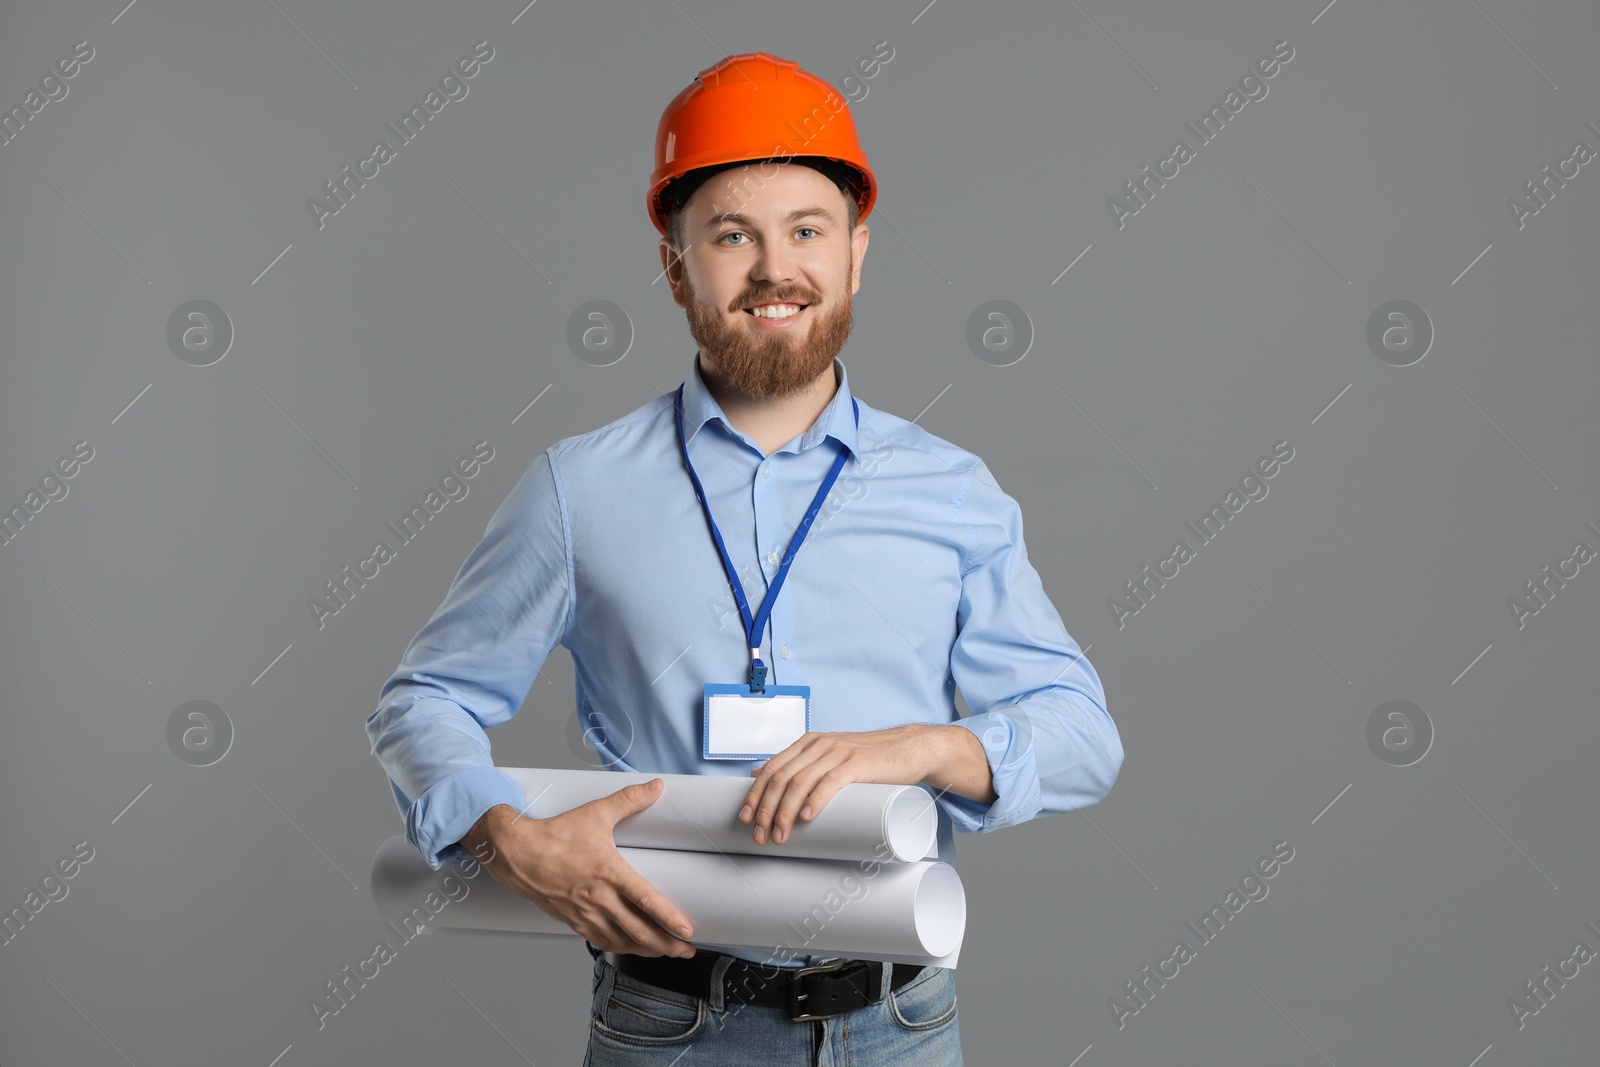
[569, 865]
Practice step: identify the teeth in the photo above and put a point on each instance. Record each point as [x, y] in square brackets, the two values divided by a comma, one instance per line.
[775, 311]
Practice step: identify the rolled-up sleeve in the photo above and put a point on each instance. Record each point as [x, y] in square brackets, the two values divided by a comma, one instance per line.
[471, 667]
[1036, 703]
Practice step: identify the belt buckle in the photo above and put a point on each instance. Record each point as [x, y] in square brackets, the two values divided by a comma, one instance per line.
[797, 981]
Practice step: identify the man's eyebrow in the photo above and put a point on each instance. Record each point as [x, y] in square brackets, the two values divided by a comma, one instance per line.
[794, 216]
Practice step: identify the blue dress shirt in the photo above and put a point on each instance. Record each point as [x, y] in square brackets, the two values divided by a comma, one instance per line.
[913, 580]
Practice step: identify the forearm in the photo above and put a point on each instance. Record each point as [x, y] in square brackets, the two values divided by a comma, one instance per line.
[960, 765]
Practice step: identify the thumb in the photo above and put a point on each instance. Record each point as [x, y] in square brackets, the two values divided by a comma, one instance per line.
[635, 797]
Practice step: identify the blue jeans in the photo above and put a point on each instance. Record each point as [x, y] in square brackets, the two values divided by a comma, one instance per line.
[632, 1022]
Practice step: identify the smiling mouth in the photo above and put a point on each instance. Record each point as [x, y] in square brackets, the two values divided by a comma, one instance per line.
[799, 307]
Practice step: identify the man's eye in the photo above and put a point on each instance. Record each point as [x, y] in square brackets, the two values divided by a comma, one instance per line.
[736, 233]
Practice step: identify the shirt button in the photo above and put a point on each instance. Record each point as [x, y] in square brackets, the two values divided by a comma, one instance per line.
[772, 557]
[766, 470]
[784, 651]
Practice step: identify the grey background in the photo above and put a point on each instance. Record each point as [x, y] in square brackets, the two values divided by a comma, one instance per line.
[1229, 314]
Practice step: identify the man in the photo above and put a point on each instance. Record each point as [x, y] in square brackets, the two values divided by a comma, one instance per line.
[634, 547]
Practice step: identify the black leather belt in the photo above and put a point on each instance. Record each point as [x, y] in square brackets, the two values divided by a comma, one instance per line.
[818, 992]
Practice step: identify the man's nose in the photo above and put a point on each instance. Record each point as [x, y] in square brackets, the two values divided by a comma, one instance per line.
[774, 265]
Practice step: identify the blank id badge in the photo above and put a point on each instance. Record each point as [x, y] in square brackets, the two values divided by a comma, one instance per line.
[741, 725]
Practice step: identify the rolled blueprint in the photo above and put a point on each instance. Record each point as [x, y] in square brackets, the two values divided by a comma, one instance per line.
[898, 912]
[700, 813]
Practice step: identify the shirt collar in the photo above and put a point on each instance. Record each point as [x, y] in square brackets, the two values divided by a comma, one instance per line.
[837, 419]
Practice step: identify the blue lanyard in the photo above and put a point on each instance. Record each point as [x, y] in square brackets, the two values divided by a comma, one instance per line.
[755, 627]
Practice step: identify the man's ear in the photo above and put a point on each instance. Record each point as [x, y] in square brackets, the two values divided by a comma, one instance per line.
[672, 264]
[858, 249]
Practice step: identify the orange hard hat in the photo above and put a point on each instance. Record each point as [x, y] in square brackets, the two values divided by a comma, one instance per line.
[751, 108]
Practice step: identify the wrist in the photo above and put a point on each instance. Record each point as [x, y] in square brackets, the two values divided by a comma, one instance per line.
[479, 840]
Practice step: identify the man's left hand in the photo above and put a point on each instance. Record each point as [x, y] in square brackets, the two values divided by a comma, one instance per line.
[798, 781]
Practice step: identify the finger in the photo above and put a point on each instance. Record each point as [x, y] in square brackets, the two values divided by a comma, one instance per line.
[764, 774]
[824, 790]
[648, 939]
[778, 791]
[624, 931]
[631, 798]
[630, 930]
[653, 904]
[754, 800]
[796, 749]
[801, 793]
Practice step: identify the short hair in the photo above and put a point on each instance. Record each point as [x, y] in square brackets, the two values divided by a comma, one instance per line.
[676, 195]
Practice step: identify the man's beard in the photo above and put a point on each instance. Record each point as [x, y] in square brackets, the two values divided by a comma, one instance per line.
[772, 364]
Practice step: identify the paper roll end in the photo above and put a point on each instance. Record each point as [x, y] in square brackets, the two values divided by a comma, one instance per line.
[940, 910]
[911, 824]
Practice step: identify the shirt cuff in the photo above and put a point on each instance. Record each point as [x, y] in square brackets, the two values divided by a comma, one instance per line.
[1015, 777]
[441, 817]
